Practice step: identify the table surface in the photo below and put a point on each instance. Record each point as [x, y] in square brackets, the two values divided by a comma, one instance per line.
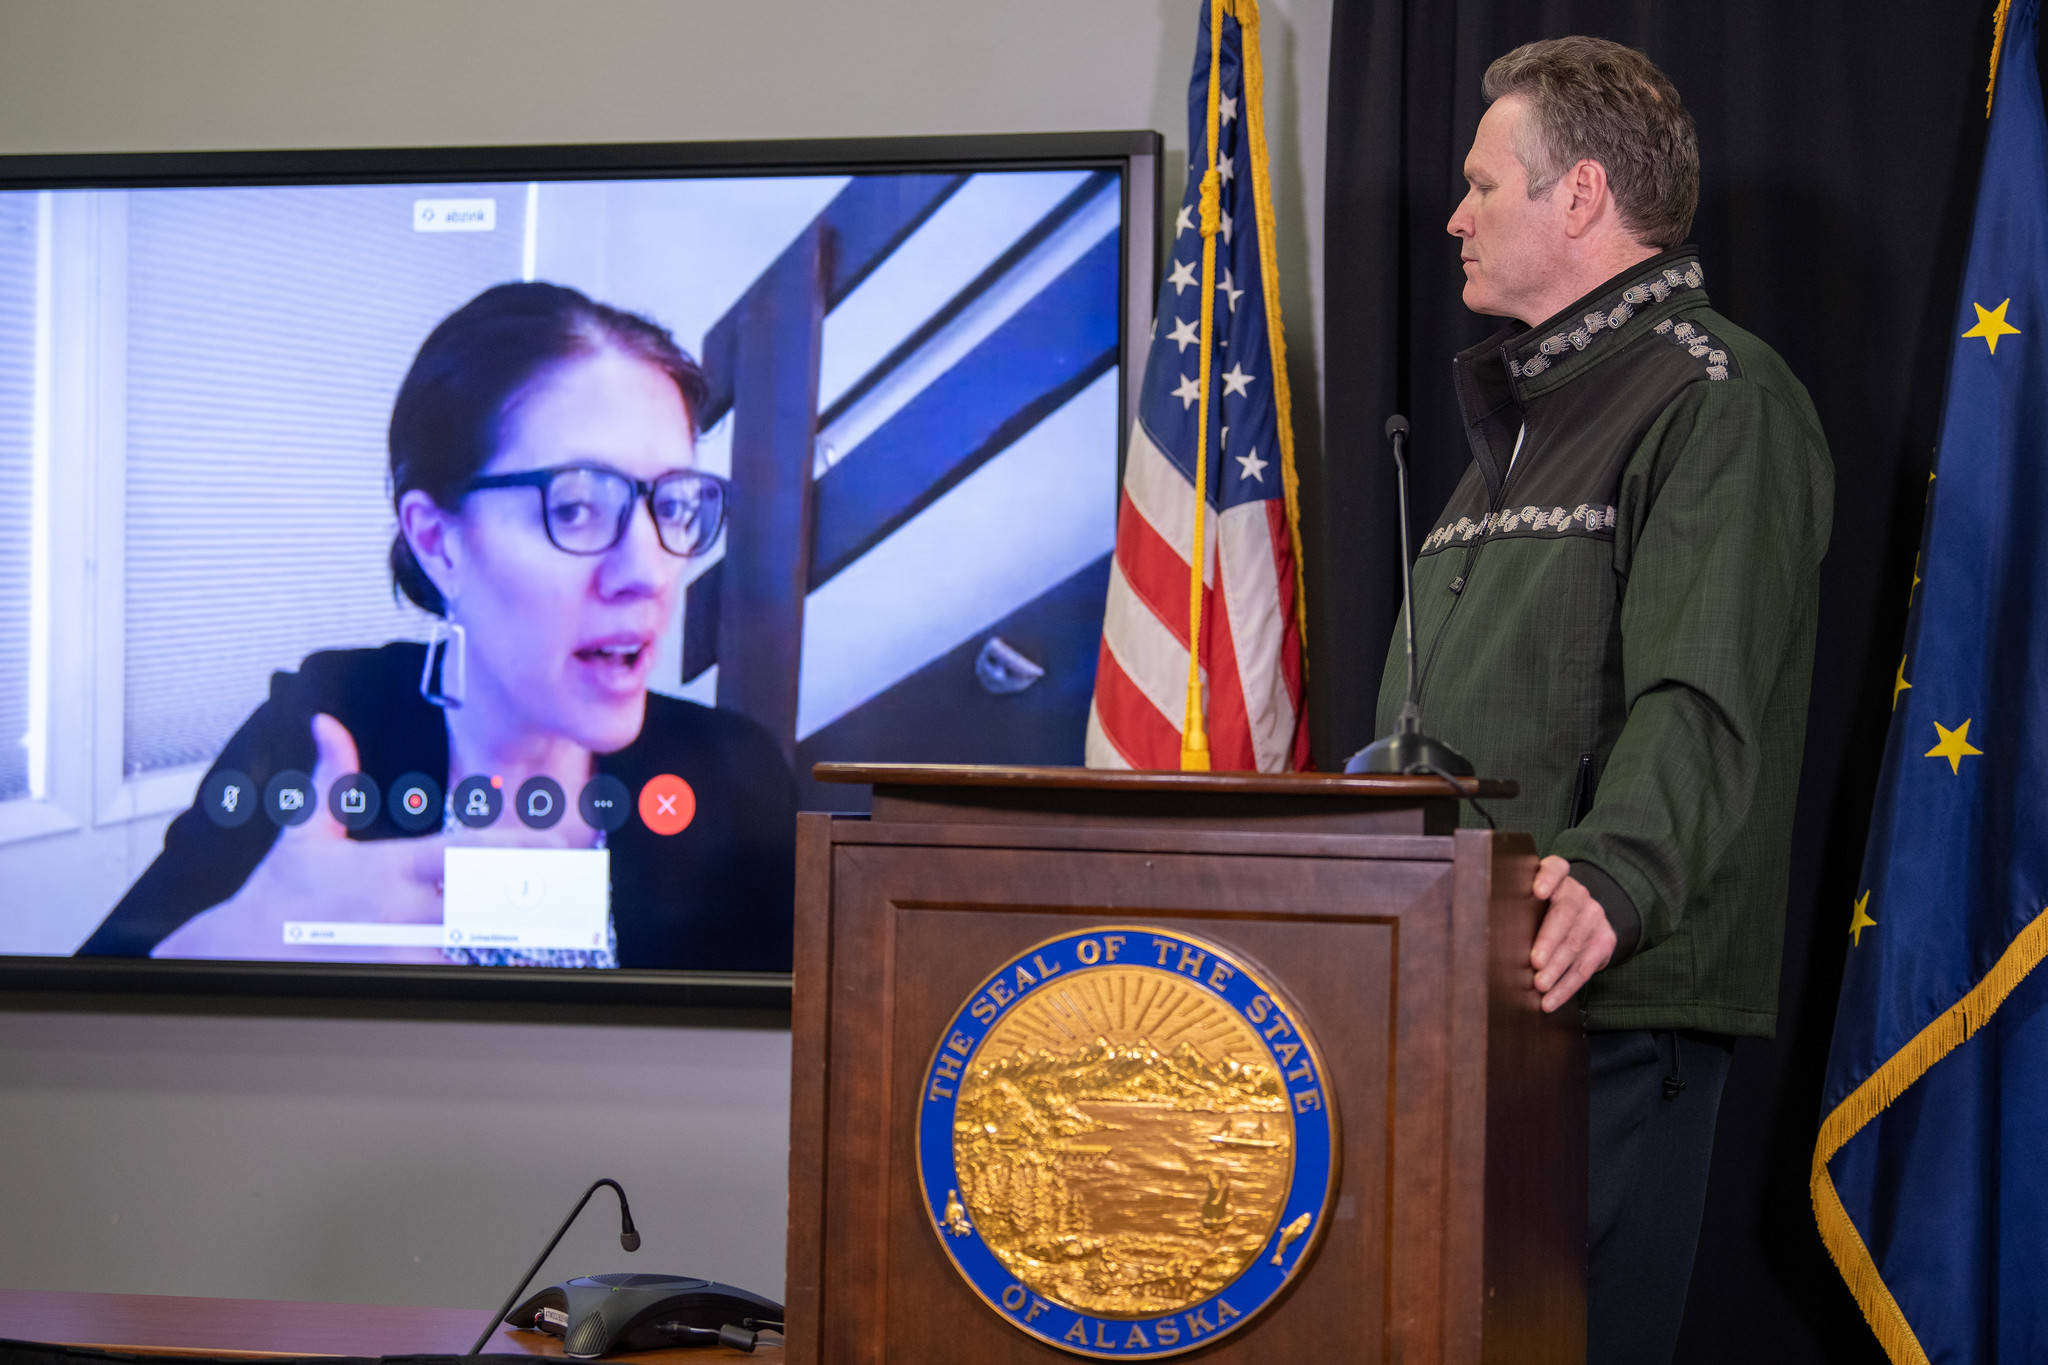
[161, 1324]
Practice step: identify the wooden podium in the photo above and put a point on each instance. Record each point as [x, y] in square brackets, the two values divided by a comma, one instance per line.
[1456, 1228]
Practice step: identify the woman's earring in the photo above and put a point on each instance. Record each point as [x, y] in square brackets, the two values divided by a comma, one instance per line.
[447, 663]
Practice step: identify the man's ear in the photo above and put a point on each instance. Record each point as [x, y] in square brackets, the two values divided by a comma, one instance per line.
[435, 538]
[1587, 201]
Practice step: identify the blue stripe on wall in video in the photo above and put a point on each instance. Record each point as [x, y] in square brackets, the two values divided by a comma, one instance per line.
[1047, 352]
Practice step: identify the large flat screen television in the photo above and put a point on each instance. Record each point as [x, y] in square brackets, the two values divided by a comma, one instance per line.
[436, 571]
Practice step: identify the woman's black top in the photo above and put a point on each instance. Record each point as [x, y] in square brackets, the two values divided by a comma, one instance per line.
[716, 896]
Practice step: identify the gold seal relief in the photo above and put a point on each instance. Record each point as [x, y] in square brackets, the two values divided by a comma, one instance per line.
[1124, 1143]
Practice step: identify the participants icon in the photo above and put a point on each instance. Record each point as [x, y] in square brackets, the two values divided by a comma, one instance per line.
[478, 801]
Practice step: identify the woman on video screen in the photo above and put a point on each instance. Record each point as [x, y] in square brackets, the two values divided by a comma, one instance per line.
[542, 469]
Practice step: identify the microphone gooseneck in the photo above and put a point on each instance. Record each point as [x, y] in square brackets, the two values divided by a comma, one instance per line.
[1408, 750]
[629, 1238]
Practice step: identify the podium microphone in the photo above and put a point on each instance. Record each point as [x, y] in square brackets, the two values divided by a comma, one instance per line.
[629, 1238]
[1407, 750]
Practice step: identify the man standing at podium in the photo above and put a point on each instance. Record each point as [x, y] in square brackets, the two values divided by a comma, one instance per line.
[1617, 609]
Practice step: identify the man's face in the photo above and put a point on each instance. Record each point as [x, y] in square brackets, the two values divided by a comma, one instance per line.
[1512, 247]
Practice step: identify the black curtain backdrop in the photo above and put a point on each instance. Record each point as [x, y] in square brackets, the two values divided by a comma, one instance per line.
[1839, 148]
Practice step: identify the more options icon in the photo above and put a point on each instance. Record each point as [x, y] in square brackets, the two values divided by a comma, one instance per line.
[478, 801]
[228, 797]
[416, 803]
[539, 802]
[605, 803]
[288, 798]
[353, 800]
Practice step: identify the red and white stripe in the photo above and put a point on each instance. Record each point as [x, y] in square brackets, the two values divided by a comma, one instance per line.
[1251, 649]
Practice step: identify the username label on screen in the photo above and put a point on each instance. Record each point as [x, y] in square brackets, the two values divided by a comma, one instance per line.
[525, 897]
[454, 215]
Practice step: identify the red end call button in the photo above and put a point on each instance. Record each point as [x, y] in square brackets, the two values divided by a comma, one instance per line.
[667, 805]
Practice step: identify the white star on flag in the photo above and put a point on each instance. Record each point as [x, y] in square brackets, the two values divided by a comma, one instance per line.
[1226, 229]
[1235, 380]
[1184, 221]
[1228, 286]
[1223, 168]
[1183, 276]
[1229, 108]
[1252, 464]
[1188, 392]
[1184, 333]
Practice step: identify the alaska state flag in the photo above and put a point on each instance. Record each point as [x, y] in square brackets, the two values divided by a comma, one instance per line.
[1930, 1178]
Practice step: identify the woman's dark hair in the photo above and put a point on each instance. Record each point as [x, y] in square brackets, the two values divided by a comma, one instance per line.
[445, 424]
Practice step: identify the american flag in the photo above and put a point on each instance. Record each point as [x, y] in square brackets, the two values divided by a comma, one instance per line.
[1250, 638]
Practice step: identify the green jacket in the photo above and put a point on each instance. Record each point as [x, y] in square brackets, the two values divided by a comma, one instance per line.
[1623, 622]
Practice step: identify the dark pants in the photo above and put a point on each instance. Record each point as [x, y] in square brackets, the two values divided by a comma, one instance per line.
[1654, 1100]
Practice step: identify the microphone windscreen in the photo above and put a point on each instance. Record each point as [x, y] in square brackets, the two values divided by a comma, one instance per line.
[1397, 425]
[630, 1240]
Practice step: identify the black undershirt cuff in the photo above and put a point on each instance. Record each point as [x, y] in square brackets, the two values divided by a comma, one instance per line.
[1622, 915]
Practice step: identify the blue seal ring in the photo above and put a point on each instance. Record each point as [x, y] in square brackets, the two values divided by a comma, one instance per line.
[1311, 1108]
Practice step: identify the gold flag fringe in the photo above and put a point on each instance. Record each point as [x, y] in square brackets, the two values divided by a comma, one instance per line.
[1943, 1035]
[1246, 13]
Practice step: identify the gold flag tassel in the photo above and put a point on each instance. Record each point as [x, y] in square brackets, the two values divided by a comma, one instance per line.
[1998, 18]
[1194, 738]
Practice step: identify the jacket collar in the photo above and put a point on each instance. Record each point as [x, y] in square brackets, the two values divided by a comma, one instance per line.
[1500, 376]
[1538, 359]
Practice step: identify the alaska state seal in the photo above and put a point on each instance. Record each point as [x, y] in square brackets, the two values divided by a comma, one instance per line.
[1126, 1142]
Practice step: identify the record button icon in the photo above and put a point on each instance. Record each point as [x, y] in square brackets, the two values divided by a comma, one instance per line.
[416, 803]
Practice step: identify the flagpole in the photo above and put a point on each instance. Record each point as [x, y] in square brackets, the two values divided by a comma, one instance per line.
[1194, 743]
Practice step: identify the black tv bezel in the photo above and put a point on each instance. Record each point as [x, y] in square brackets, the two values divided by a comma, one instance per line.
[1137, 154]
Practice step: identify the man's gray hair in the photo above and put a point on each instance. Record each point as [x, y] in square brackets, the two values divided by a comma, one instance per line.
[1594, 100]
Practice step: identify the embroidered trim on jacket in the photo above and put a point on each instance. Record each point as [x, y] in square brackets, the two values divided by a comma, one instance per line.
[1699, 344]
[1657, 287]
[1550, 520]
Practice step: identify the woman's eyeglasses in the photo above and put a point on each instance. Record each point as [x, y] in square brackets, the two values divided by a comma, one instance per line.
[586, 508]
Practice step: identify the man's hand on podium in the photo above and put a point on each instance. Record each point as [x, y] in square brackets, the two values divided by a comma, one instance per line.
[1575, 939]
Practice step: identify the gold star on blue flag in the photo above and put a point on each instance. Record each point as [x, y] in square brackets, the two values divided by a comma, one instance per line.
[1927, 1175]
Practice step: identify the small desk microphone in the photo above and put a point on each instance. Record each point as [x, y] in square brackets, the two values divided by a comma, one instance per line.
[1407, 750]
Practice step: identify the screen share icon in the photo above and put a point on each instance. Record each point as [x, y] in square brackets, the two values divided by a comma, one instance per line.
[352, 801]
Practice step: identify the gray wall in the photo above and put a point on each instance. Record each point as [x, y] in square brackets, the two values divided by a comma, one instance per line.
[422, 1160]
